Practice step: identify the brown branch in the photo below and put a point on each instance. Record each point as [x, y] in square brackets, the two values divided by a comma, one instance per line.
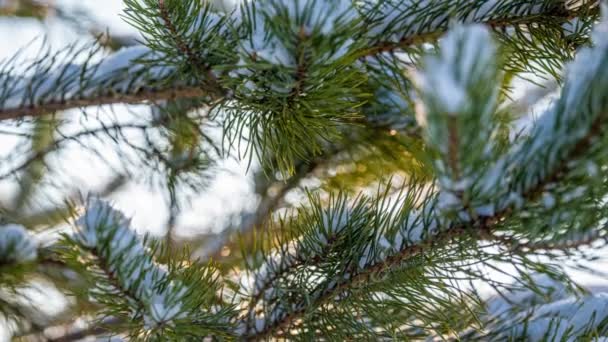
[90, 331]
[181, 45]
[366, 275]
[453, 147]
[499, 23]
[297, 261]
[75, 335]
[141, 96]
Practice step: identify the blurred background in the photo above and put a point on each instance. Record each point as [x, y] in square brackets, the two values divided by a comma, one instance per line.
[45, 170]
[93, 166]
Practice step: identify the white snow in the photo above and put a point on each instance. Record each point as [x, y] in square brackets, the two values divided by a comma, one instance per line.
[53, 82]
[447, 83]
[16, 244]
[107, 231]
[485, 210]
[394, 19]
[465, 51]
[448, 201]
[548, 200]
[521, 298]
[586, 66]
[323, 18]
[570, 118]
[575, 193]
[567, 318]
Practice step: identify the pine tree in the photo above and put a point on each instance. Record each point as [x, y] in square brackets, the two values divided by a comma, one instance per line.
[435, 182]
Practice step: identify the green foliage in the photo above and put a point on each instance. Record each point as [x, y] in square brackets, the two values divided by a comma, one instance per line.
[152, 302]
[347, 96]
[186, 36]
[295, 83]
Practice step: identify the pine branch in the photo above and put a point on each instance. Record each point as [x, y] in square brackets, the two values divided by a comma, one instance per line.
[194, 59]
[581, 90]
[139, 96]
[73, 331]
[450, 234]
[537, 36]
[52, 82]
[33, 104]
[497, 15]
[369, 274]
[156, 300]
[93, 330]
[290, 76]
[281, 264]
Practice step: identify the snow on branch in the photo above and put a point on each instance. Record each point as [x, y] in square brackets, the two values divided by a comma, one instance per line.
[374, 248]
[55, 82]
[294, 57]
[467, 57]
[269, 42]
[568, 127]
[397, 21]
[151, 300]
[16, 245]
[459, 93]
[105, 232]
[520, 26]
[498, 183]
[567, 319]
[380, 228]
[549, 309]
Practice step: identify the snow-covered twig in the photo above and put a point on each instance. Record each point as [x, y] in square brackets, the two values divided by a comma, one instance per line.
[574, 137]
[16, 245]
[396, 24]
[458, 114]
[106, 233]
[56, 83]
[561, 320]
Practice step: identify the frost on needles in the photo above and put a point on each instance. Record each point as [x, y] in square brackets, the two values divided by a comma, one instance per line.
[337, 94]
[151, 292]
[16, 244]
[106, 233]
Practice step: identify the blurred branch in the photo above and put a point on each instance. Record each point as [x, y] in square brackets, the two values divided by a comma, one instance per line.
[25, 8]
[265, 208]
[58, 142]
[71, 332]
[53, 216]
